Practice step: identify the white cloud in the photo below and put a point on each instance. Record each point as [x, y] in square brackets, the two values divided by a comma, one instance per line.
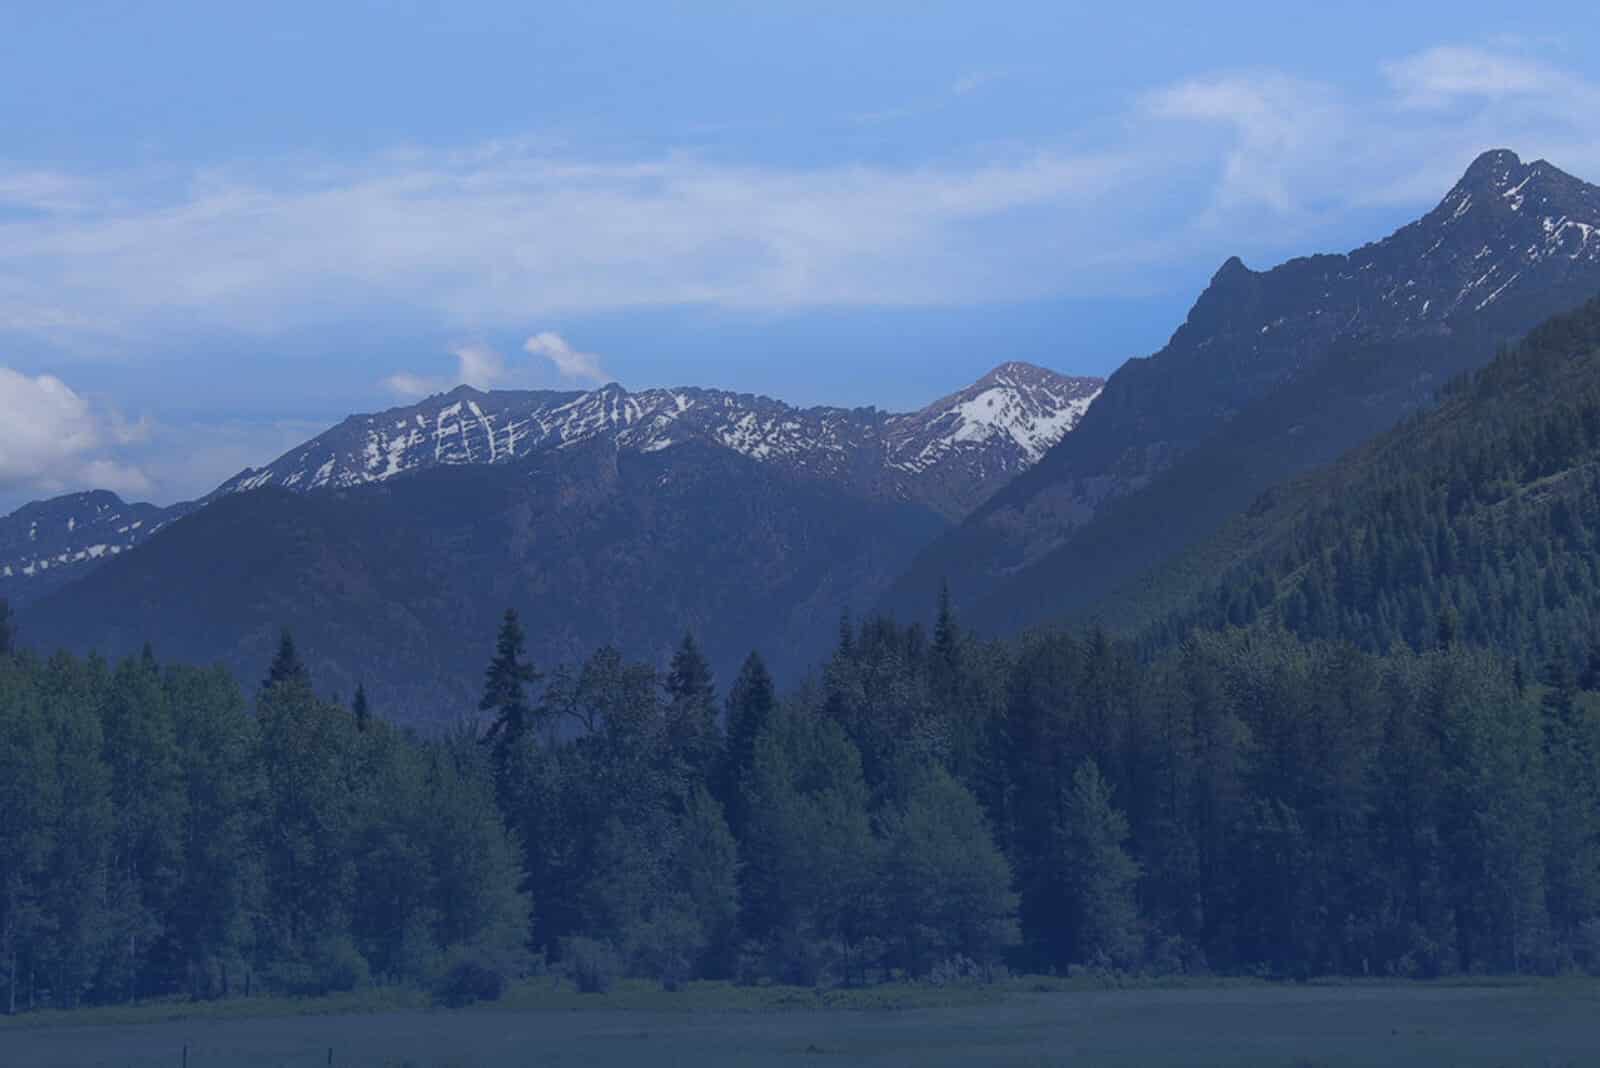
[477, 365]
[1281, 128]
[53, 440]
[1309, 151]
[482, 367]
[1437, 76]
[410, 386]
[568, 361]
[494, 237]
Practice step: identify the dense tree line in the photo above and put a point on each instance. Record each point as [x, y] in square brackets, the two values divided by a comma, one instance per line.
[1374, 750]
[161, 834]
[1479, 521]
[929, 804]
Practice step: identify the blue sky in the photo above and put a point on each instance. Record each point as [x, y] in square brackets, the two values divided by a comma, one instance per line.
[225, 226]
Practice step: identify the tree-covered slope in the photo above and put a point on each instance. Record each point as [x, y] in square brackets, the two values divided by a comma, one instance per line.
[1477, 521]
[1273, 373]
[401, 583]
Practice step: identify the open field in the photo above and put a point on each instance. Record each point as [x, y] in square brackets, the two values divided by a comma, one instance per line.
[1544, 1024]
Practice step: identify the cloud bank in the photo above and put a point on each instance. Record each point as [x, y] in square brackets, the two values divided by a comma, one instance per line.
[53, 440]
[492, 237]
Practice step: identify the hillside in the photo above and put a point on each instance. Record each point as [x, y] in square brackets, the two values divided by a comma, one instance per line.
[1478, 521]
[401, 583]
[1272, 374]
[948, 456]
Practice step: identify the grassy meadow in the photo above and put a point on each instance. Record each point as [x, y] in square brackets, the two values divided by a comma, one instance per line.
[1550, 1024]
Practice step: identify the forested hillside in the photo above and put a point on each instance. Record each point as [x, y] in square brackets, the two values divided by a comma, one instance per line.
[1273, 374]
[1479, 521]
[931, 806]
[395, 584]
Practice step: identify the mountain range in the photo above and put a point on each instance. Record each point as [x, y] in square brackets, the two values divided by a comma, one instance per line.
[392, 542]
[1272, 374]
[605, 517]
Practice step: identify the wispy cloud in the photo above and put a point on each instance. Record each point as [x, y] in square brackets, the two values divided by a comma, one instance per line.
[1301, 148]
[1440, 76]
[1281, 128]
[414, 386]
[487, 238]
[483, 367]
[477, 365]
[568, 361]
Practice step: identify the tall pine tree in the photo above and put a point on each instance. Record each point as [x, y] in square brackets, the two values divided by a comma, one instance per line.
[286, 664]
[692, 734]
[359, 709]
[752, 701]
[506, 686]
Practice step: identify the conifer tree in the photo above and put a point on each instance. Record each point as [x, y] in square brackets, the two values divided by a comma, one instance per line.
[691, 711]
[359, 709]
[286, 664]
[7, 629]
[946, 638]
[505, 690]
[752, 701]
[1100, 876]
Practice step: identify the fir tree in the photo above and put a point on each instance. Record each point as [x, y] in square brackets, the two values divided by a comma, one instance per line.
[752, 701]
[505, 686]
[691, 711]
[945, 635]
[359, 709]
[7, 629]
[286, 664]
[1100, 876]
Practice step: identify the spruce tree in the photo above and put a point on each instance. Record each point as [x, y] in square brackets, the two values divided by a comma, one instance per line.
[358, 708]
[1100, 876]
[7, 628]
[505, 686]
[286, 664]
[946, 638]
[692, 711]
[752, 702]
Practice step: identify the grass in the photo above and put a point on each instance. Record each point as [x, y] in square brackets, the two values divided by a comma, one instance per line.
[1028, 1021]
[552, 994]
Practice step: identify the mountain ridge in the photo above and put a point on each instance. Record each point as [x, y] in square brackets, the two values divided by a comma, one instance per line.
[947, 455]
[1377, 330]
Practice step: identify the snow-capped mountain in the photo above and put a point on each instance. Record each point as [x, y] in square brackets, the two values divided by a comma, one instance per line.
[947, 455]
[1273, 372]
[46, 543]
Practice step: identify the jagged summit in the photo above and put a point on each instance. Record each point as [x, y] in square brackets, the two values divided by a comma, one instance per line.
[948, 456]
[1275, 370]
[1505, 224]
[945, 455]
[44, 542]
[1493, 168]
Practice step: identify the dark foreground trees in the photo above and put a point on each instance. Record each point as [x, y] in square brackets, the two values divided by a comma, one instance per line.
[1250, 803]
[159, 836]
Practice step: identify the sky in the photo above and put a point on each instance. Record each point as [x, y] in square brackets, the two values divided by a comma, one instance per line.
[223, 227]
